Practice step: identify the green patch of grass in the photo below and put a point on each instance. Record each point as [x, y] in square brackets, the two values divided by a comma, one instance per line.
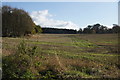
[50, 43]
[107, 55]
[85, 56]
[82, 43]
[79, 74]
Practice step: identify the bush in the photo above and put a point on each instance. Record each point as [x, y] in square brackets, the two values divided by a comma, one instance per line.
[23, 64]
[20, 64]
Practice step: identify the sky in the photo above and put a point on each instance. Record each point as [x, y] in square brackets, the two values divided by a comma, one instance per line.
[70, 15]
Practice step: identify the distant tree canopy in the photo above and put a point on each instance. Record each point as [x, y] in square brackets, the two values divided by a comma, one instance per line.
[100, 29]
[116, 28]
[16, 22]
[58, 31]
[90, 29]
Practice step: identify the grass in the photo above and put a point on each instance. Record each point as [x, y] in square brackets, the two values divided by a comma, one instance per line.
[61, 56]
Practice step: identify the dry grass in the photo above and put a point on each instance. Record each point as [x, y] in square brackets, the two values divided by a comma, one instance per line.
[71, 55]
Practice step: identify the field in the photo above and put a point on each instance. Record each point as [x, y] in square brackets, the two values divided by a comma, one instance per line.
[61, 56]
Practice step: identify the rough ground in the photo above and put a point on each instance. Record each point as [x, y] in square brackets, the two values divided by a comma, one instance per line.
[69, 55]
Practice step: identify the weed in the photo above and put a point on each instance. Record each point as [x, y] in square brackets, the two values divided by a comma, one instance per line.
[83, 56]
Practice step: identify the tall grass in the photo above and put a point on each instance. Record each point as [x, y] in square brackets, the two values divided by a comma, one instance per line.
[19, 64]
[23, 64]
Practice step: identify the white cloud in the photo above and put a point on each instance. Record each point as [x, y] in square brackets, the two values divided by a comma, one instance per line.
[44, 19]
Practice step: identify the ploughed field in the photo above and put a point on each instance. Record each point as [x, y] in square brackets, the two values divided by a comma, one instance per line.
[61, 56]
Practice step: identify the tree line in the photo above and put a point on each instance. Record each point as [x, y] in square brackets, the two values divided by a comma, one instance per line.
[99, 29]
[17, 22]
[58, 31]
[90, 29]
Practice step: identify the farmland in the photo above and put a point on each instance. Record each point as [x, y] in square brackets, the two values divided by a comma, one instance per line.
[61, 56]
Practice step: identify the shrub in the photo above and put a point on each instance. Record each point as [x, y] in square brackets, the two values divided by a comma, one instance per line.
[20, 64]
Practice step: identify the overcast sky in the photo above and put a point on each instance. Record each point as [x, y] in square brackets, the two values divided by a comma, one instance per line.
[70, 15]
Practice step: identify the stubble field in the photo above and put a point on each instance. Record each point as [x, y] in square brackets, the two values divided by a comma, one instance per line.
[61, 56]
